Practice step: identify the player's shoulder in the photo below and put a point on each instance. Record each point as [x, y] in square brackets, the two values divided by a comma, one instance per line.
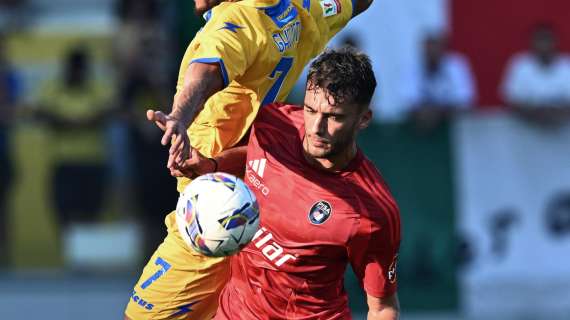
[281, 115]
[368, 168]
[375, 191]
[277, 127]
[229, 9]
[236, 9]
[288, 110]
[328, 9]
[226, 14]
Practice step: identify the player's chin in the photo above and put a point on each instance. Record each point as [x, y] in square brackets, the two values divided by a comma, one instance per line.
[319, 152]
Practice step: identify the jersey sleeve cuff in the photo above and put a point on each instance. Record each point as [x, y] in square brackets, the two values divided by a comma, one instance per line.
[219, 61]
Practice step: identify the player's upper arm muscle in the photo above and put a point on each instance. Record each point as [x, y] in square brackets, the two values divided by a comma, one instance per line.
[373, 251]
[210, 77]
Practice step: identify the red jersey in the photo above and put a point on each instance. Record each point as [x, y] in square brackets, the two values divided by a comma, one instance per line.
[313, 223]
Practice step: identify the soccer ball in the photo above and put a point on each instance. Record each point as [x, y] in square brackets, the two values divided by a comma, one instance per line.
[217, 214]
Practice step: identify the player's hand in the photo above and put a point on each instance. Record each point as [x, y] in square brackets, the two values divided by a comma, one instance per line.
[175, 133]
[196, 166]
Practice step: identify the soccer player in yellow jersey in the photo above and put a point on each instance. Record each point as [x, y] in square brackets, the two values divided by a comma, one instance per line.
[249, 53]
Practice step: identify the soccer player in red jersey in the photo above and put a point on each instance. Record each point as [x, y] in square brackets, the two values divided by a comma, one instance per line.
[323, 205]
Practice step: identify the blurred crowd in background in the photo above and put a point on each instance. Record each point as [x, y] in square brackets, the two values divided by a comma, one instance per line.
[83, 179]
[91, 111]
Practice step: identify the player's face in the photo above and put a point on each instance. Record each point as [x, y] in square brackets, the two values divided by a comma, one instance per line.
[330, 129]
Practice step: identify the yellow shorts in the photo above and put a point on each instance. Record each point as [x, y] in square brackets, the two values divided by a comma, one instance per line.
[178, 283]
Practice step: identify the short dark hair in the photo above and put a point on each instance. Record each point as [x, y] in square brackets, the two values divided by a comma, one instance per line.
[345, 74]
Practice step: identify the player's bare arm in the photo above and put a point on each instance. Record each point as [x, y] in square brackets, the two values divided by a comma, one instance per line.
[231, 161]
[202, 81]
[383, 308]
[360, 6]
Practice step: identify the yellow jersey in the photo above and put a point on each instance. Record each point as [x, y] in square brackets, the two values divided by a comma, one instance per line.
[262, 47]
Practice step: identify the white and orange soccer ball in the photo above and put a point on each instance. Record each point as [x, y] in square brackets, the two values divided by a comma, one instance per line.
[217, 214]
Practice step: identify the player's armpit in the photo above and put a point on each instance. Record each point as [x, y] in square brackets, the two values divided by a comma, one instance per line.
[387, 308]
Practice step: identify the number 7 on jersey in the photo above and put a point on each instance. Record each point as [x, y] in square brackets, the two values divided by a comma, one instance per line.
[279, 73]
[164, 266]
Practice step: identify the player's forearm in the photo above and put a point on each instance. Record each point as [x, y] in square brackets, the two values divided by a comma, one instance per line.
[385, 314]
[387, 308]
[232, 160]
[202, 80]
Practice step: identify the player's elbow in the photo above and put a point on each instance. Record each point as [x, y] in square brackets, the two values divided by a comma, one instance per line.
[360, 6]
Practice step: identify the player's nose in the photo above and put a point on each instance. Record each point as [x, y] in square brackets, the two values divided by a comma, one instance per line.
[319, 124]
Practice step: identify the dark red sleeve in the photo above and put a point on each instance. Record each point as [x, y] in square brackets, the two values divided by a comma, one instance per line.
[373, 252]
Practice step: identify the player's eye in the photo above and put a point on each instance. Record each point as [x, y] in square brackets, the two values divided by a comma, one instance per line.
[309, 110]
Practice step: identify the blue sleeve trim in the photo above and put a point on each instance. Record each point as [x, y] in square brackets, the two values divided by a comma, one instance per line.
[307, 4]
[208, 15]
[219, 61]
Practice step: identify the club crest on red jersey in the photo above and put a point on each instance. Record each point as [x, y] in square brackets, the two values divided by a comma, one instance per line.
[320, 212]
[392, 270]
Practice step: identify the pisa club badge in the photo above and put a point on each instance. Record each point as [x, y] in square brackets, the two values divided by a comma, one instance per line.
[392, 270]
[320, 212]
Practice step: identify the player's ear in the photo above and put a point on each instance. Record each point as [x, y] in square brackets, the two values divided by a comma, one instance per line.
[365, 119]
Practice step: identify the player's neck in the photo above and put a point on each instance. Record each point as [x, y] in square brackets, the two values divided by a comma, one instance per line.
[336, 163]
